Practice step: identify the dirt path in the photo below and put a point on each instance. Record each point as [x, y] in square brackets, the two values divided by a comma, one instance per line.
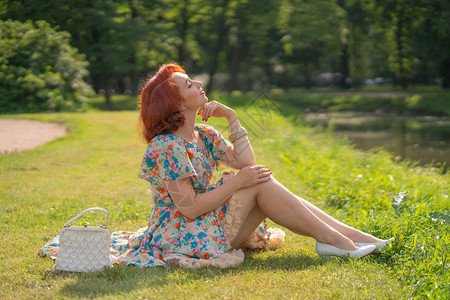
[19, 135]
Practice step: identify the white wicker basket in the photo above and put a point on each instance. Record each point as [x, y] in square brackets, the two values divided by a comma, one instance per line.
[83, 249]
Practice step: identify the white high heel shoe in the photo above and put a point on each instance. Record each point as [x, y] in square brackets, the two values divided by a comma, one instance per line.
[325, 251]
[380, 245]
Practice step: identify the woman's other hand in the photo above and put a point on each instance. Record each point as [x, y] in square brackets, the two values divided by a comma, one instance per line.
[251, 175]
[215, 109]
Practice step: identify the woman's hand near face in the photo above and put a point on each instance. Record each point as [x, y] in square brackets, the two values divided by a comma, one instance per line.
[215, 109]
[240, 154]
[251, 175]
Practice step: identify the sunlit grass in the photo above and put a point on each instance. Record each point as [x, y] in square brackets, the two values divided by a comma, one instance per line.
[97, 165]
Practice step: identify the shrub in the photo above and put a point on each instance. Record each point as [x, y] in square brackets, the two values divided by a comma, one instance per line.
[39, 70]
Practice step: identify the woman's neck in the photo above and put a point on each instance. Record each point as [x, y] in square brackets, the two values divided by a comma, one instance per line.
[187, 131]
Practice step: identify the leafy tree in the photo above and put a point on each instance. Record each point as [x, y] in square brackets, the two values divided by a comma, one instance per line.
[264, 40]
[95, 30]
[432, 39]
[175, 24]
[39, 70]
[355, 42]
[399, 20]
[254, 47]
[140, 41]
[312, 35]
[221, 28]
[238, 43]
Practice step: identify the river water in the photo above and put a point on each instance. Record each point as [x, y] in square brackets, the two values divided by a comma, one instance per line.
[425, 139]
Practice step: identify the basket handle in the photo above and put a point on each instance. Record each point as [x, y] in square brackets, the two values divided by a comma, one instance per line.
[85, 211]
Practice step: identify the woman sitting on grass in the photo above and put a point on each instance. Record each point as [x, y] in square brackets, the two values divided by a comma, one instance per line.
[196, 224]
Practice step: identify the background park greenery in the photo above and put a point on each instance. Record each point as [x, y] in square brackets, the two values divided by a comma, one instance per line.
[236, 45]
[55, 55]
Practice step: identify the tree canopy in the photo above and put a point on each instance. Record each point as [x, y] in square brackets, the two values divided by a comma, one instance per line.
[39, 69]
[248, 44]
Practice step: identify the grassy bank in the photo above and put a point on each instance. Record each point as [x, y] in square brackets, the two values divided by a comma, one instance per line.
[413, 101]
[421, 104]
[97, 165]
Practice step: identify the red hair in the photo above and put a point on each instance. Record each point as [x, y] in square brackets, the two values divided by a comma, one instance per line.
[160, 103]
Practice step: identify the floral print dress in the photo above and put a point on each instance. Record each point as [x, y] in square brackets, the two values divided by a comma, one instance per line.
[170, 237]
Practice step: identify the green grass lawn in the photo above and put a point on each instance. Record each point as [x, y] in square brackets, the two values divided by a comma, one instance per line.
[97, 165]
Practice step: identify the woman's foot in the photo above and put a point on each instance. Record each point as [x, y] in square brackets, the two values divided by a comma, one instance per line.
[379, 245]
[362, 237]
[325, 251]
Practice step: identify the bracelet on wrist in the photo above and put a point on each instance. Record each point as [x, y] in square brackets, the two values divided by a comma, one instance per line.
[237, 134]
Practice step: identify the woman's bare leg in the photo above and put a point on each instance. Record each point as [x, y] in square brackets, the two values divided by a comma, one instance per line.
[254, 218]
[350, 232]
[281, 206]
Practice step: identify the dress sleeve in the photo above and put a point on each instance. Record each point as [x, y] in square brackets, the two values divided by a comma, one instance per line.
[219, 144]
[166, 159]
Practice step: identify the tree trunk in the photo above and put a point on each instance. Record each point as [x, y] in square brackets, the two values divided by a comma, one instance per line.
[134, 10]
[236, 59]
[286, 79]
[96, 82]
[307, 78]
[446, 73]
[109, 105]
[269, 74]
[133, 74]
[99, 83]
[134, 78]
[246, 81]
[399, 36]
[183, 29]
[223, 28]
[344, 67]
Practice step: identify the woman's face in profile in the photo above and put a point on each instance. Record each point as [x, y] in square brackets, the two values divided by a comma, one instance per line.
[190, 90]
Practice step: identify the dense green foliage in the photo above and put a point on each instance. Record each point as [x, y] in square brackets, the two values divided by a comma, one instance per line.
[249, 44]
[41, 189]
[39, 70]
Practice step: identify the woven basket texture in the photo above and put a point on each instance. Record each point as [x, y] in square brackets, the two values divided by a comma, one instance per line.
[83, 249]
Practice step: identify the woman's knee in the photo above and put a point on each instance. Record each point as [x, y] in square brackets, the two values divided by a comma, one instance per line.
[268, 185]
[248, 196]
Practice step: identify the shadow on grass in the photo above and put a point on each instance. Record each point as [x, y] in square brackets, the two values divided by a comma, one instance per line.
[281, 262]
[124, 279]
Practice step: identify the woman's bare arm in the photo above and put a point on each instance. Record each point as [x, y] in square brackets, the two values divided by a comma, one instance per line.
[241, 154]
[192, 206]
